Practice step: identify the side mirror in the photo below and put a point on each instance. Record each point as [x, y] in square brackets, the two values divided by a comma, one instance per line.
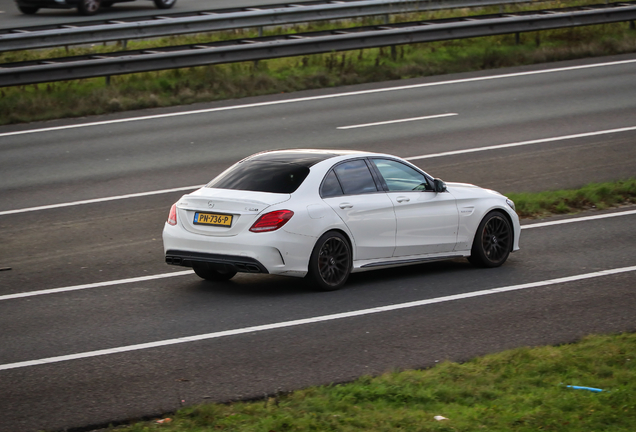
[439, 185]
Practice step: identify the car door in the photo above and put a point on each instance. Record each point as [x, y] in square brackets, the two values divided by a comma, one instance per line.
[427, 221]
[351, 191]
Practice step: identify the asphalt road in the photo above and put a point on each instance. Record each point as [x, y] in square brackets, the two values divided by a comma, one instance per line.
[565, 125]
[11, 17]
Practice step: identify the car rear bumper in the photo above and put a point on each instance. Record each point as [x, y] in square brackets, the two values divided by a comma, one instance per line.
[241, 264]
[279, 252]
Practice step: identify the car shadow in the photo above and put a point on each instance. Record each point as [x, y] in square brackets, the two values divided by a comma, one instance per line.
[251, 285]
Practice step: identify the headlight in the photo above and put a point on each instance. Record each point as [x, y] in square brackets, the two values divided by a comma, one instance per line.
[511, 204]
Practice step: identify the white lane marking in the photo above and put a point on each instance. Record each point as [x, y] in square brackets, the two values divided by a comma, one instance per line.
[434, 155]
[314, 320]
[98, 200]
[580, 219]
[187, 272]
[94, 285]
[313, 98]
[523, 143]
[398, 121]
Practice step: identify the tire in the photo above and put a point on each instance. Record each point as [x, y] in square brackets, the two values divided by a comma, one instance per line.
[493, 241]
[164, 4]
[330, 261]
[28, 10]
[214, 273]
[107, 4]
[88, 7]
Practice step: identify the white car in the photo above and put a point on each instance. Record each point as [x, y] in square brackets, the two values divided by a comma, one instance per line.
[328, 213]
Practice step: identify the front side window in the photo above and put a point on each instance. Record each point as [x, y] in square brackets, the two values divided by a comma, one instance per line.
[401, 177]
[355, 177]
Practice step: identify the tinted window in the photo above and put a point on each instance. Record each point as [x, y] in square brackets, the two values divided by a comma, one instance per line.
[355, 177]
[330, 186]
[262, 176]
[401, 177]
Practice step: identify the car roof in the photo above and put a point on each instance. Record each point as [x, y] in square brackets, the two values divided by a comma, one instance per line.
[303, 157]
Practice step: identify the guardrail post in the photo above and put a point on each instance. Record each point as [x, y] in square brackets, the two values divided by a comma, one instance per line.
[260, 31]
[107, 80]
[517, 38]
[632, 26]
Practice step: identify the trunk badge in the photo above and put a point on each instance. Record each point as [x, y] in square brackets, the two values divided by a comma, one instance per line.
[210, 204]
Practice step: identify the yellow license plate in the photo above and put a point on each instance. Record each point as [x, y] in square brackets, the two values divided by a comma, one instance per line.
[212, 219]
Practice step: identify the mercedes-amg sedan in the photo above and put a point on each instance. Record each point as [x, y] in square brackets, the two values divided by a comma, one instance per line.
[327, 213]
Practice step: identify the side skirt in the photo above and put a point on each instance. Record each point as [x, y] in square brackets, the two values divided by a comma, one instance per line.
[366, 265]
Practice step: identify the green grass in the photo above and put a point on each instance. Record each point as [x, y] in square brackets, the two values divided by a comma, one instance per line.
[209, 83]
[592, 196]
[519, 390]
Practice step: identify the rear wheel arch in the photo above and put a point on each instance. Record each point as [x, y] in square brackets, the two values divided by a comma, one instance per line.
[331, 260]
[344, 233]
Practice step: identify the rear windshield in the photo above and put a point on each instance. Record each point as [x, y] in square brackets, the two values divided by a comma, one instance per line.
[262, 176]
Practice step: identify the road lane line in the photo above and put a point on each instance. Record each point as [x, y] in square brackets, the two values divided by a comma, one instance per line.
[188, 272]
[94, 285]
[313, 98]
[433, 155]
[98, 200]
[398, 121]
[522, 143]
[313, 320]
[580, 219]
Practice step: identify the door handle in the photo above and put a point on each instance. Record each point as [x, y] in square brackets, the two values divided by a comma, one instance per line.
[402, 199]
[346, 206]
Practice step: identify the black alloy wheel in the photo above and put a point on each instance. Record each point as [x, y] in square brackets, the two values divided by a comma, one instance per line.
[214, 273]
[165, 4]
[330, 262]
[88, 7]
[493, 241]
[28, 10]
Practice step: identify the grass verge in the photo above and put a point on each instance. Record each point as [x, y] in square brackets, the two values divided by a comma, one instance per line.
[592, 196]
[209, 83]
[523, 389]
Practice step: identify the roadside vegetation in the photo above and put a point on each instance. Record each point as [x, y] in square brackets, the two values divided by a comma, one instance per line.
[592, 196]
[209, 83]
[524, 389]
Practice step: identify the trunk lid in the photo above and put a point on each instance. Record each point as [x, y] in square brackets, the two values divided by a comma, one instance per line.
[223, 212]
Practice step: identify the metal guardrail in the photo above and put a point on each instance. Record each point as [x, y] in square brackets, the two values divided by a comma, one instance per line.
[309, 43]
[225, 19]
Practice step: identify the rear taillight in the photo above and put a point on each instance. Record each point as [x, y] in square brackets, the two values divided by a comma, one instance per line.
[272, 221]
[172, 217]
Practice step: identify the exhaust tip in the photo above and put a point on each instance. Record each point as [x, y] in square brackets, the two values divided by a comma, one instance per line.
[173, 260]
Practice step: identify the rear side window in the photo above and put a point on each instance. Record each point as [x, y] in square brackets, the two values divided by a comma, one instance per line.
[355, 177]
[330, 186]
[262, 176]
